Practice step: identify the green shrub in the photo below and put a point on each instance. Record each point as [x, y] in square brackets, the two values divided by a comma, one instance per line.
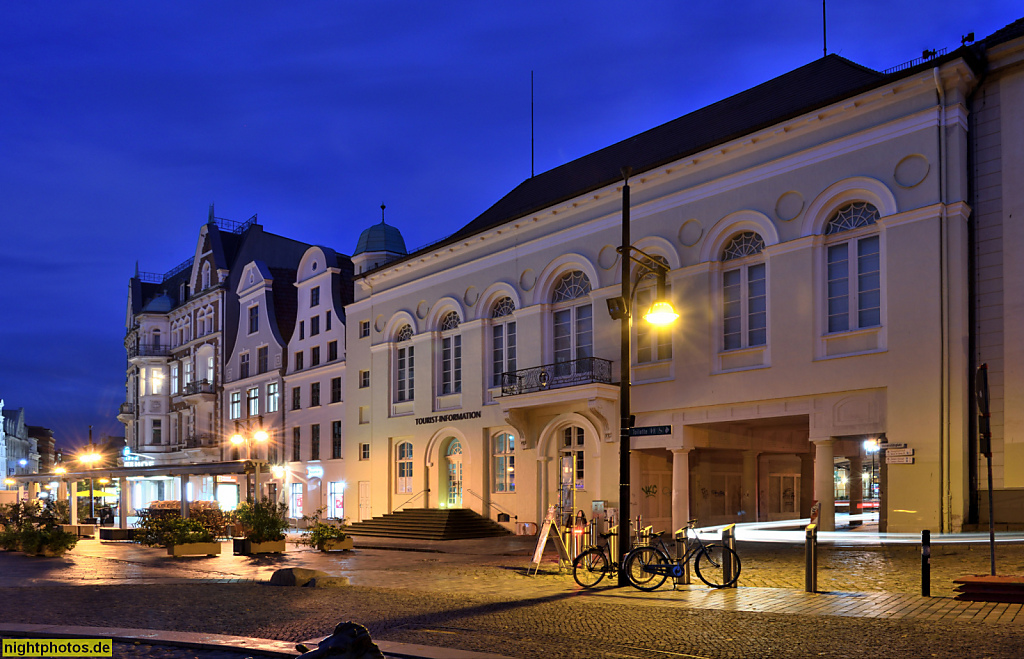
[264, 520]
[162, 527]
[34, 528]
[318, 531]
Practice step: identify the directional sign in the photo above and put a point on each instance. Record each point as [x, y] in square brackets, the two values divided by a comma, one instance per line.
[890, 445]
[899, 460]
[893, 452]
[643, 431]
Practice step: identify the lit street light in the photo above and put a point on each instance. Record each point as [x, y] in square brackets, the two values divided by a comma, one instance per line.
[260, 436]
[89, 459]
[661, 313]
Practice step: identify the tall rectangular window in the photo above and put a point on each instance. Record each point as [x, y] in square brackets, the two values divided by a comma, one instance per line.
[299, 365]
[314, 394]
[327, 321]
[235, 408]
[314, 356]
[252, 400]
[364, 379]
[295, 501]
[364, 329]
[364, 451]
[404, 373]
[314, 296]
[503, 350]
[187, 377]
[335, 390]
[336, 440]
[451, 364]
[302, 329]
[157, 431]
[854, 307]
[744, 307]
[652, 343]
[336, 500]
[254, 319]
[314, 442]
[174, 379]
[243, 366]
[504, 463]
[296, 398]
[262, 359]
[296, 444]
[272, 397]
[314, 325]
[332, 350]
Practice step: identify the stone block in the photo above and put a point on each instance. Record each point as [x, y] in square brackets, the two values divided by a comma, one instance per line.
[295, 576]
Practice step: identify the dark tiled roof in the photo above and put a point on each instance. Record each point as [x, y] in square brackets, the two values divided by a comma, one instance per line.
[1002, 35]
[809, 87]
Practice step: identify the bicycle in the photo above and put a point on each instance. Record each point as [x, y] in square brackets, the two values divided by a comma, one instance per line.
[593, 563]
[647, 567]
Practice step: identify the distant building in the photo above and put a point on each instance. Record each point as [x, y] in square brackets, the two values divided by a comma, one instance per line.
[192, 331]
[20, 451]
[45, 445]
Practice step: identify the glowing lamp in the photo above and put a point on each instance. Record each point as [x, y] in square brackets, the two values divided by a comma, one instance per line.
[661, 313]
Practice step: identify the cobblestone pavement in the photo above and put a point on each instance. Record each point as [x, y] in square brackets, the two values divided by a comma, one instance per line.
[477, 596]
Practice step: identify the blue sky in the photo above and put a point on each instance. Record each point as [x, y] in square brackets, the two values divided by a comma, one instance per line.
[120, 122]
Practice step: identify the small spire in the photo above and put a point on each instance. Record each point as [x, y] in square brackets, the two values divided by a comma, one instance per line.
[211, 214]
[382, 207]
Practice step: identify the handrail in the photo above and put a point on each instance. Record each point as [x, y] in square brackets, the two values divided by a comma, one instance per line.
[410, 500]
[492, 505]
[585, 370]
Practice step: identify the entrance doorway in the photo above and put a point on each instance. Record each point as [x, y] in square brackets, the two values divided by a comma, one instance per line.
[364, 500]
[454, 459]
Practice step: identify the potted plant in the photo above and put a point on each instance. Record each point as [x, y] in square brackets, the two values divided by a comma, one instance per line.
[263, 525]
[188, 537]
[325, 535]
[35, 529]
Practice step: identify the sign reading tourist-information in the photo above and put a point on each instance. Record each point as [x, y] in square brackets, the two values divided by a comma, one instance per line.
[643, 431]
[445, 418]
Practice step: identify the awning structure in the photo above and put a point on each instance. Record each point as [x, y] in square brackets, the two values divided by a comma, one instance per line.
[197, 469]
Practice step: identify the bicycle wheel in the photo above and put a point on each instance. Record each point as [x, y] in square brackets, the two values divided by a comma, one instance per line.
[710, 566]
[590, 567]
[635, 563]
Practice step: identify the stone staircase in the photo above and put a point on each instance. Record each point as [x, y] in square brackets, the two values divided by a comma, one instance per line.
[429, 524]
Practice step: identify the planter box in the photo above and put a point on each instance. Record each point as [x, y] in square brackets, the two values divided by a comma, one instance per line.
[194, 549]
[271, 547]
[337, 545]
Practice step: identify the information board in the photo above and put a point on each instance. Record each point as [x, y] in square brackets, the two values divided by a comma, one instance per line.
[548, 528]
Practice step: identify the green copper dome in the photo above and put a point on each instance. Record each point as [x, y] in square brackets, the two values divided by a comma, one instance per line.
[381, 238]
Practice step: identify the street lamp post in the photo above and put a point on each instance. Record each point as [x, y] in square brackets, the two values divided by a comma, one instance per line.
[661, 313]
[260, 436]
[90, 458]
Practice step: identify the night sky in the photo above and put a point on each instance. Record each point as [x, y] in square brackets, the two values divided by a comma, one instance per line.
[121, 122]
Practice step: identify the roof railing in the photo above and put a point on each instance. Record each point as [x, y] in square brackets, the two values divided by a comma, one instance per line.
[925, 57]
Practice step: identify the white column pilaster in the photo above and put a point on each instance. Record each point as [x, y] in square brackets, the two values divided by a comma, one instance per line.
[825, 484]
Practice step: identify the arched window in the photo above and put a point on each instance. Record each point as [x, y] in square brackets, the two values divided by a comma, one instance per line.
[853, 263]
[206, 276]
[744, 292]
[403, 468]
[573, 324]
[503, 339]
[405, 365]
[652, 343]
[451, 354]
[504, 452]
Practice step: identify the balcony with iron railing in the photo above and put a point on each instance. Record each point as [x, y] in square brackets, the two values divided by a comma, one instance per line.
[198, 387]
[148, 350]
[197, 441]
[586, 370]
[126, 409]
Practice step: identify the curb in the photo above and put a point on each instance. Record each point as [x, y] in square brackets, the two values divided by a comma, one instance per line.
[265, 646]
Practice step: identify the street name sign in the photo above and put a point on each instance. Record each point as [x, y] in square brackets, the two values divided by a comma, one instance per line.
[893, 452]
[886, 447]
[899, 460]
[644, 431]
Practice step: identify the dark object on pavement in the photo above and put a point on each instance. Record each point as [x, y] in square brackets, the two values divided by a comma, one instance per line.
[989, 588]
[349, 641]
[294, 576]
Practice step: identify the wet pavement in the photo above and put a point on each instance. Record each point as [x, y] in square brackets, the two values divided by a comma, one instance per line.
[476, 595]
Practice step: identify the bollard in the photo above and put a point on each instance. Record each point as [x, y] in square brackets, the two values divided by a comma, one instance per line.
[811, 559]
[926, 563]
[729, 540]
[684, 578]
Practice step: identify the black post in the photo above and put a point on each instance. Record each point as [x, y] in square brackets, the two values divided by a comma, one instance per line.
[811, 559]
[985, 444]
[624, 359]
[92, 495]
[926, 563]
